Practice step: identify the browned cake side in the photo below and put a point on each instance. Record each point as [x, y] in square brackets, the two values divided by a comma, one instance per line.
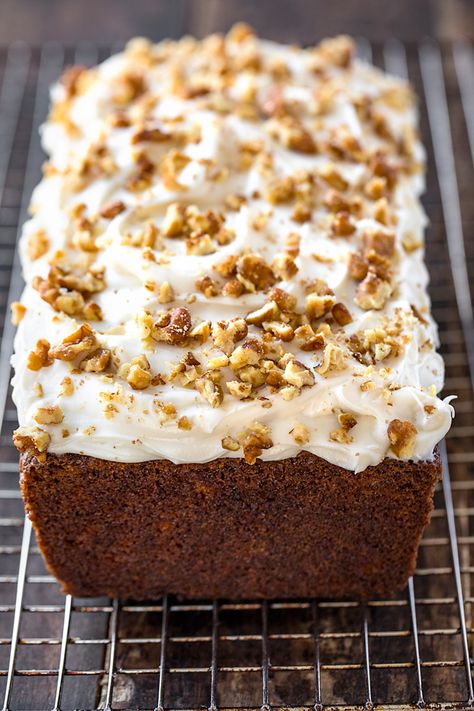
[294, 528]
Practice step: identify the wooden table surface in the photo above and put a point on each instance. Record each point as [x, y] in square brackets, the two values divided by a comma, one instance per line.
[301, 21]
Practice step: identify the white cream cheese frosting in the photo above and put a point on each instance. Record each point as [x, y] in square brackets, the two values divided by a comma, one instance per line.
[197, 183]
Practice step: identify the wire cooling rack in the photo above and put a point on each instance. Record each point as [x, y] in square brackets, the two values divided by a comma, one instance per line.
[412, 650]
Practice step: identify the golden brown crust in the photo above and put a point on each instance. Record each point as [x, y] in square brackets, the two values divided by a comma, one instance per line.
[293, 528]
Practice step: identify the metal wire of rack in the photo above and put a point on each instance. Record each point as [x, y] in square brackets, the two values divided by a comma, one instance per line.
[412, 650]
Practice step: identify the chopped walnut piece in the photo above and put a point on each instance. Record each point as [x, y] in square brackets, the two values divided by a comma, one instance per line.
[141, 177]
[92, 312]
[254, 273]
[284, 266]
[342, 225]
[37, 245]
[18, 312]
[238, 389]
[50, 415]
[172, 327]
[184, 423]
[225, 334]
[333, 359]
[280, 330]
[139, 375]
[292, 134]
[382, 243]
[307, 339]
[330, 174]
[284, 300]
[233, 288]
[97, 361]
[300, 433]
[346, 420]
[317, 306]
[40, 357]
[200, 245]
[341, 314]
[212, 392]
[175, 220]
[112, 209]
[411, 242]
[357, 267]
[249, 353]
[281, 190]
[208, 286]
[67, 386]
[170, 168]
[165, 293]
[376, 188]
[230, 444]
[372, 292]
[267, 312]
[33, 440]
[341, 435]
[80, 341]
[70, 79]
[150, 134]
[201, 331]
[402, 438]
[297, 374]
[254, 440]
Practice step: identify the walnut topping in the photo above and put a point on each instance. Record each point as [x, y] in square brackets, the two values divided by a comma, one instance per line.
[346, 420]
[254, 273]
[212, 392]
[137, 372]
[33, 440]
[267, 312]
[38, 244]
[18, 312]
[40, 357]
[67, 290]
[254, 440]
[151, 134]
[238, 389]
[341, 314]
[283, 265]
[281, 190]
[333, 359]
[284, 300]
[231, 444]
[142, 176]
[320, 299]
[170, 169]
[382, 243]
[165, 293]
[342, 225]
[51, 415]
[174, 222]
[292, 134]
[249, 353]
[173, 326]
[225, 334]
[341, 435]
[67, 386]
[357, 267]
[372, 292]
[80, 342]
[297, 374]
[112, 209]
[300, 434]
[70, 79]
[97, 361]
[402, 438]
[307, 339]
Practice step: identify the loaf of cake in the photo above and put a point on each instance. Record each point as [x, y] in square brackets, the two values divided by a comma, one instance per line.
[225, 366]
